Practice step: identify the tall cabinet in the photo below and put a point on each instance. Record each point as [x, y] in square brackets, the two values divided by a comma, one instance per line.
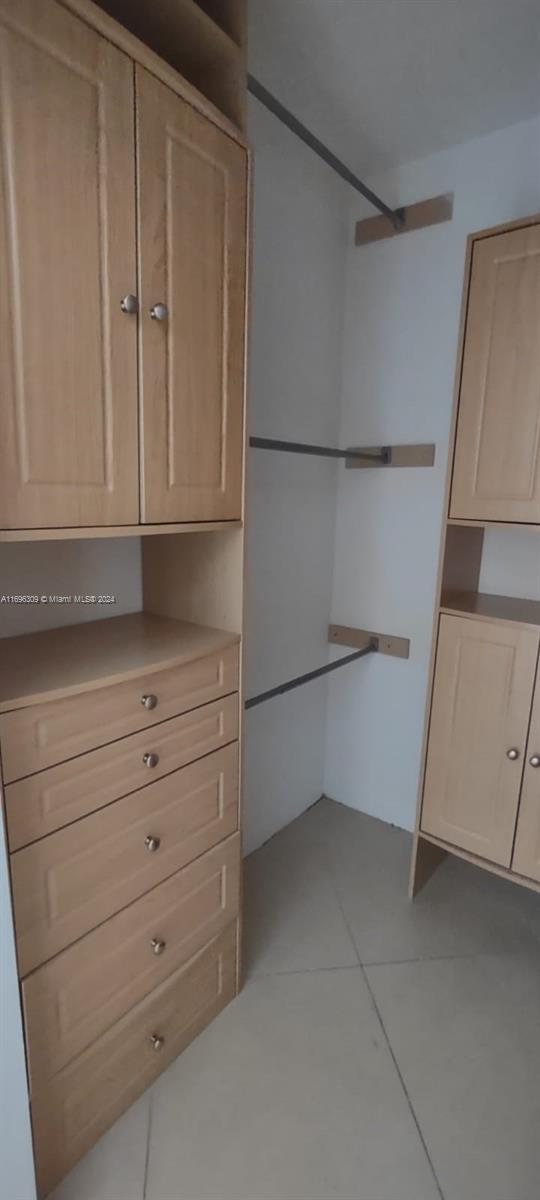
[123, 246]
[480, 784]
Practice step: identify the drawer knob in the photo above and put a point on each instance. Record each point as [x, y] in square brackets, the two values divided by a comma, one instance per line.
[159, 312]
[157, 1041]
[157, 945]
[152, 843]
[149, 701]
[512, 754]
[535, 760]
[129, 303]
[150, 760]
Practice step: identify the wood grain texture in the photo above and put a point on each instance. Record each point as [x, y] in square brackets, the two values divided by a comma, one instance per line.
[109, 531]
[72, 1111]
[68, 883]
[344, 635]
[526, 858]
[37, 667]
[481, 605]
[48, 800]
[497, 457]
[192, 207]
[68, 354]
[481, 705]
[118, 35]
[187, 37]
[416, 216]
[196, 579]
[73, 999]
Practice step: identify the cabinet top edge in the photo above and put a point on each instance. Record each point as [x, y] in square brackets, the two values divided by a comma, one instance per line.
[141, 54]
[505, 227]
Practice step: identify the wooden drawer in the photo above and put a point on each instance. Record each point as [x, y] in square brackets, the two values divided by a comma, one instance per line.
[70, 882]
[75, 1108]
[71, 1001]
[45, 802]
[44, 734]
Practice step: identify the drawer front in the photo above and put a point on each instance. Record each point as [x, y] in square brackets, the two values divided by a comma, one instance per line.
[73, 880]
[71, 1001]
[76, 1107]
[48, 801]
[44, 734]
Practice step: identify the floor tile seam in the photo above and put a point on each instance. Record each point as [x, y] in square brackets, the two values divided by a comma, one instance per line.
[390, 1049]
[148, 1141]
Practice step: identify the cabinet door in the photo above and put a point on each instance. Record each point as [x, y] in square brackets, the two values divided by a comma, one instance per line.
[192, 233]
[526, 860]
[497, 461]
[68, 354]
[481, 705]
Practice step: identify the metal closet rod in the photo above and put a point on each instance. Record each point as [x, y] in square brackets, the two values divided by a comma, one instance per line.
[301, 679]
[382, 456]
[396, 216]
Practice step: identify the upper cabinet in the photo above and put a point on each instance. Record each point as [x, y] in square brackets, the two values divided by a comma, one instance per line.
[497, 458]
[192, 242]
[68, 354]
[121, 344]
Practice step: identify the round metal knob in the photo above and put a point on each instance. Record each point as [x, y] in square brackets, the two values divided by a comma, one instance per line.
[157, 945]
[150, 760]
[149, 701]
[512, 754]
[129, 303]
[152, 843]
[159, 312]
[535, 760]
[157, 1041]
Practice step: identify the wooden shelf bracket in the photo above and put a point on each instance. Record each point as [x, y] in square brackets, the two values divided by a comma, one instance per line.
[383, 643]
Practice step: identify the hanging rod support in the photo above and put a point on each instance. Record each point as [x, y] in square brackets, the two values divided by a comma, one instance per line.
[382, 454]
[274, 106]
[280, 690]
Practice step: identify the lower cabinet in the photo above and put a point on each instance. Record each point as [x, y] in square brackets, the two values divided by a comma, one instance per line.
[482, 696]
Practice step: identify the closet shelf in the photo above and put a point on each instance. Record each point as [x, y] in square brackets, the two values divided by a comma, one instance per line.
[63, 662]
[114, 531]
[482, 605]
[463, 523]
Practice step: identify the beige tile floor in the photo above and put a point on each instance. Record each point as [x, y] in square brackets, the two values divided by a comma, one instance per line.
[379, 1051]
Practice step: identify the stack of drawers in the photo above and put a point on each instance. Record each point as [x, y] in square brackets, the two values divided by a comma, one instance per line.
[122, 816]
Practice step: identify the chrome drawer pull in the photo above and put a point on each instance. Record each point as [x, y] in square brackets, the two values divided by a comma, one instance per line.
[149, 701]
[152, 843]
[159, 312]
[157, 946]
[535, 760]
[513, 754]
[150, 760]
[157, 1041]
[129, 303]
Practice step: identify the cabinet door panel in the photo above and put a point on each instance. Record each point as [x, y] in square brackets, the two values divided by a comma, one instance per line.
[192, 230]
[526, 860]
[482, 692]
[497, 461]
[68, 354]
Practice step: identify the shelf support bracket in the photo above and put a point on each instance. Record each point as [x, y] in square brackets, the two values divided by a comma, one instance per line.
[384, 643]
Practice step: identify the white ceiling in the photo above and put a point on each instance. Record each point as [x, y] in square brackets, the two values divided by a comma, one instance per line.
[386, 81]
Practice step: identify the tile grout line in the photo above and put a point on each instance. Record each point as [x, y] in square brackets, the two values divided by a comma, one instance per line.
[148, 1138]
[386, 1037]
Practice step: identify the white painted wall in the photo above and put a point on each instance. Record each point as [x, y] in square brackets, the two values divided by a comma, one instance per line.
[400, 340]
[300, 229]
[86, 567]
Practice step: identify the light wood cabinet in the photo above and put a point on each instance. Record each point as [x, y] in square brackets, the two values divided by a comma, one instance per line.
[192, 226]
[484, 679]
[88, 297]
[526, 860]
[497, 457]
[68, 354]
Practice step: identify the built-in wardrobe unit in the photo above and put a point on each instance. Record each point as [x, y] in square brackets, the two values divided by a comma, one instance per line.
[123, 246]
[480, 786]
